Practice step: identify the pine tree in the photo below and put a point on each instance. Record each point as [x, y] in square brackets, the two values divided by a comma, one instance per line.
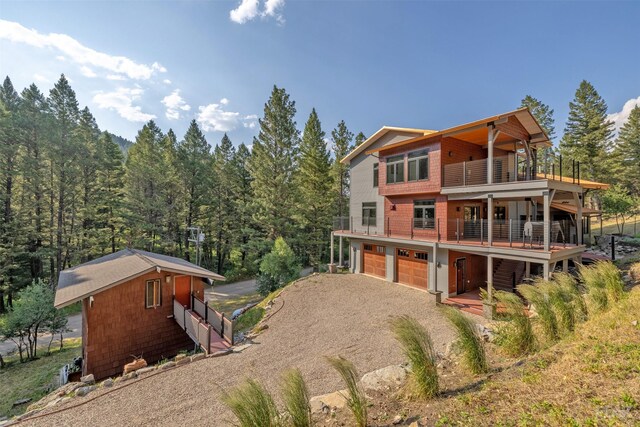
[628, 151]
[273, 165]
[587, 135]
[109, 195]
[314, 186]
[341, 139]
[544, 115]
[246, 229]
[173, 196]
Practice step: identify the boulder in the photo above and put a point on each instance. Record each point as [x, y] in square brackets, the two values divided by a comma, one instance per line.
[198, 356]
[83, 391]
[397, 420]
[107, 383]
[88, 379]
[179, 357]
[167, 365]
[183, 360]
[333, 400]
[145, 370]
[392, 376]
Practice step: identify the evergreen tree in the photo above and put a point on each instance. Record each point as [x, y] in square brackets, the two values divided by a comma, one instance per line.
[173, 196]
[273, 165]
[341, 139]
[245, 227]
[224, 208]
[544, 115]
[628, 152]
[109, 195]
[587, 135]
[360, 138]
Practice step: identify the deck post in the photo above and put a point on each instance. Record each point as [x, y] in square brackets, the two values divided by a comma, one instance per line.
[332, 258]
[579, 236]
[565, 265]
[488, 307]
[481, 231]
[457, 230]
[510, 235]
[490, 219]
[490, 140]
[340, 257]
[546, 268]
[547, 220]
[527, 269]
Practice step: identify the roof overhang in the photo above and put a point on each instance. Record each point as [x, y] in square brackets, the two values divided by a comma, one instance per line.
[379, 134]
[573, 209]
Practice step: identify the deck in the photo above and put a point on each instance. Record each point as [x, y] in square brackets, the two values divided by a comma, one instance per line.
[469, 302]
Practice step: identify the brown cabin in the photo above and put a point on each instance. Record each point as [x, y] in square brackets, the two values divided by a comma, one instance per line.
[144, 304]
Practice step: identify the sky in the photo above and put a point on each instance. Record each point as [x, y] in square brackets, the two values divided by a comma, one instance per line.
[420, 64]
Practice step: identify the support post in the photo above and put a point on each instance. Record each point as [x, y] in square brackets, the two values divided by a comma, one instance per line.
[527, 269]
[490, 219]
[546, 270]
[457, 230]
[488, 307]
[340, 257]
[565, 265]
[433, 274]
[547, 220]
[332, 258]
[490, 141]
[510, 230]
[579, 236]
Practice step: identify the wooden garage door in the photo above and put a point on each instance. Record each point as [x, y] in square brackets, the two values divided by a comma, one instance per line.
[374, 260]
[411, 268]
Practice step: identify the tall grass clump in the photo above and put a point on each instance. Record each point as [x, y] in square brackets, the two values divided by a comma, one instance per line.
[567, 301]
[516, 337]
[603, 284]
[356, 400]
[612, 278]
[252, 405]
[296, 398]
[538, 296]
[418, 348]
[469, 341]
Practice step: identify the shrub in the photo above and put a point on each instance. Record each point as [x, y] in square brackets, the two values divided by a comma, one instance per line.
[603, 283]
[296, 398]
[252, 404]
[277, 268]
[418, 348]
[538, 296]
[469, 341]
[356, 400]
[516, 337]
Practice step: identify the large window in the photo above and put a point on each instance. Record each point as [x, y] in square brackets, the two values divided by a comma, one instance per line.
[424, 214]
[153, 293]
[369, 213]
[418, 165]
[375, 174]
[395, 169]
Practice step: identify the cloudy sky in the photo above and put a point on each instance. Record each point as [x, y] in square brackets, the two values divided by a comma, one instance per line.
[372, 63]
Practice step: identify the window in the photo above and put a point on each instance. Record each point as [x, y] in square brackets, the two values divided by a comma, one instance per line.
[395, 169]
[420, 255]
[418, 165]
[403, 253]
[368, 248]
[380, 249]
[424, 214]
[369, 213]
[375, 174]
[154, 294]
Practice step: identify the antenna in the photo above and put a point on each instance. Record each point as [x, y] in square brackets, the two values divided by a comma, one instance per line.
[196, 236]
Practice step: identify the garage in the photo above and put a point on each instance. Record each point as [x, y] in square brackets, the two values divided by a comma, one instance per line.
[374, 260]
[411, 268]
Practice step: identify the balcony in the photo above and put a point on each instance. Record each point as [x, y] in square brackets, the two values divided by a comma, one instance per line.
[510, 233]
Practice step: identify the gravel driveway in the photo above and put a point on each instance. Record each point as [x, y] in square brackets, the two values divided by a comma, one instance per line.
[324, 315]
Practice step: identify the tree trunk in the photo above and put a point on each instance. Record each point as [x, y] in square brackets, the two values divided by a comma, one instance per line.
[2, 307]
[60, 218]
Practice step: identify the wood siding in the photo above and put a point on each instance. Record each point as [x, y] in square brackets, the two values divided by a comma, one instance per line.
[476, 274]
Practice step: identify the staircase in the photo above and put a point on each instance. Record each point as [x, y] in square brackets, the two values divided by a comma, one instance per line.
[507, 274]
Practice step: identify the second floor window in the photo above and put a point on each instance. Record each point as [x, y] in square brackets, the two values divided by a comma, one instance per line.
[418, 165]
[424, 214]
[375, 174]
[153, 294]
[369, 214]
[395, 169]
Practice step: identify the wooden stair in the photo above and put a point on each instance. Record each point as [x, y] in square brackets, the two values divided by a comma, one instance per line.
[507, 274]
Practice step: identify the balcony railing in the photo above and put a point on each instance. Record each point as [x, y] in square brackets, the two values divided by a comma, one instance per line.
[506, 232]
[508, 168]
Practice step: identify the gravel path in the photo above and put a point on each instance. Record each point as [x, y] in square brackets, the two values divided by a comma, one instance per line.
[321, 316]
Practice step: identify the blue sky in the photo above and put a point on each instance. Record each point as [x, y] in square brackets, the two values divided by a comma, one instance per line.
[372, 63]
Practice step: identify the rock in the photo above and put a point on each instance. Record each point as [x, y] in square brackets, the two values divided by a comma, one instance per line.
[54, 402]
[397, 420]
[21, 402]
[332, 401]
[83, 391]
[221, 352]
[179, 357]
[67, 388]
[167, 365]
[145, 370]
[415, 424]
[239, 348]
[127, 377]
[107, 383]
[634, 323]
[390, 377]
[88, 379]
[198, 356]
[183, 361]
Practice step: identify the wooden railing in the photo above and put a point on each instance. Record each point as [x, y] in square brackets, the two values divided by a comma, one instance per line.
[200, 332]
[217, 320]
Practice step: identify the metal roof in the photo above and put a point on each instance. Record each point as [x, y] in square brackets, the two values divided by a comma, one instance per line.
[81, 281]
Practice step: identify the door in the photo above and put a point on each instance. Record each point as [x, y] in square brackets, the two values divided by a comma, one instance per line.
[374, 260]
[411, 268]
[461, 275]
[183, 290]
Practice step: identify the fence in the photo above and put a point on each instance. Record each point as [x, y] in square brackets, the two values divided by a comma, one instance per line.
[199, 331]
[219, 323]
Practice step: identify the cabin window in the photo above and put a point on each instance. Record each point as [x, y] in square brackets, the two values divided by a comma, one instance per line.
[424, 214]
[153, 294]
[403, 253]
[420, 255]
[369, 214]
[418, 165]
[375, 174]
[395, 169]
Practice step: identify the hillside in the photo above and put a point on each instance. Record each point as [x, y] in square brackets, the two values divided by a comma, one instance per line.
[124, 143]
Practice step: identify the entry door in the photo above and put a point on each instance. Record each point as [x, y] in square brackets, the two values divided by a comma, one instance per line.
[461, 274]
[183, 290]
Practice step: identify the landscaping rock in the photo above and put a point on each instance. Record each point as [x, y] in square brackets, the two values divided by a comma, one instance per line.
[167, 365]
[67, 388]
[145, 370]
[21, 402]
[634, 323]
[198, 356]
[183, 361]
[83, 391]
[221, 352]
[127, 377]
[107, 383]
[54, 402]
[239, 348]
[397, 420]
[88, 379]
[333, 400]
[179, 357]
[390, 377]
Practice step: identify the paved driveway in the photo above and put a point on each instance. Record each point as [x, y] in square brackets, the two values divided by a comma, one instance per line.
[234, 290]
[324, 315]
[75, 326]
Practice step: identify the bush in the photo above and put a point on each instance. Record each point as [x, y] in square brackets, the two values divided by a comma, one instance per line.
[516, 337]
[356, 400]
[252, 404]
[469, 341]
[296, 398]
[418, 348]
[277, 268]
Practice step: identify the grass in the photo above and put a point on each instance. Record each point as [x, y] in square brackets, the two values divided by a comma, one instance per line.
[418, 348]
[33, 379]
[515, 337]
[603, 284]
[249, 319]
[252, 405]
[468, 340]
[538, 295]
[356, 399]
[609, 226]
[296, 398]
[229, 305]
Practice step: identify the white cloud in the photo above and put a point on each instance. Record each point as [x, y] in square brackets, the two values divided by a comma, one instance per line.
[166, 81]
[121, 101]
[247, 10]
[40, 78]
[116, 77]
[620, 118]
[224, 101]
[175, 103]
[250, 121]
[272, 10]
[77, 52]
[61, 58]
[213, 118]
[87, 72]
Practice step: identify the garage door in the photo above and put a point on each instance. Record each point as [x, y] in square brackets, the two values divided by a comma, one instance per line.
[374, 260]
[411, 268]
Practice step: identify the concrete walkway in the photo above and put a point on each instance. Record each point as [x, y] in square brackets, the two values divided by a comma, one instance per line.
[75, 326]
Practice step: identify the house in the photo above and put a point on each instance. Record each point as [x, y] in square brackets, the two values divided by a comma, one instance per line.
[452, 210]
[138, 303]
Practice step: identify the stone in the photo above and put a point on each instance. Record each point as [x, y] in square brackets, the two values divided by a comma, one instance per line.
[198, 356]
[21, 402]
[389, 377]
[183, 361]
[145, 370]
[634, 323]
[129, 376]
[415, 424]
[179, 357]
[239, 348]
[333, 401]
[54, 402]
[107, 383]
[83, 391]
[88, 379]
[221, 352]
[397, 420]
[68, 388]
[167, 365]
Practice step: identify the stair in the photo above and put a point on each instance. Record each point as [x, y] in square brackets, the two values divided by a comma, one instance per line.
[504, 272]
